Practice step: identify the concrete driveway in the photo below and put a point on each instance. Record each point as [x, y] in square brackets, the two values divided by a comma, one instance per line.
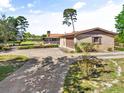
[45, 73]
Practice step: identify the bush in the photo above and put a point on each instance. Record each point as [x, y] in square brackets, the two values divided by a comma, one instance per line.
[87, 47]
[110, 49]
[119, 49]
[1, 47]
[77, 48]
[51, 46]
[38, 46]
[5, 47]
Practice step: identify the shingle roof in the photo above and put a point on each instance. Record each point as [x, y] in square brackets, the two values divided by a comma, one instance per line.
[89, 30]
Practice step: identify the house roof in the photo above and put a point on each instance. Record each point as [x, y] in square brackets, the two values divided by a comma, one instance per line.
[55, 35]
[89, 30]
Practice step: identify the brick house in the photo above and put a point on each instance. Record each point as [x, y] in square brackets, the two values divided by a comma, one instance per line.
[101, 38]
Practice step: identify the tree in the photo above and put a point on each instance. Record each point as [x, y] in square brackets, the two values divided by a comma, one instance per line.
[11, 28]
[22, 24]
[7, 30]
[69, 16]
[12, 23]
[27, 35]
[120, 25]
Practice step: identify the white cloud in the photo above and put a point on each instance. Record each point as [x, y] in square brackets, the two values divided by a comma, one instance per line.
[79, 5]
[12, 9]
[6, 5]
[30, 5]
[110, 2]
[35, 11]
[102, 17]
[1, 9]
[40, 23]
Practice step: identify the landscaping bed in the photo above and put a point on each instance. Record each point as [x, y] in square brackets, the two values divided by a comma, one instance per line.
[109, 78]
[10, 63]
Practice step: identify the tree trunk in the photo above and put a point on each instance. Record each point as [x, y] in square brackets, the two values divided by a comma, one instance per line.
[73, 25]
[73, 29]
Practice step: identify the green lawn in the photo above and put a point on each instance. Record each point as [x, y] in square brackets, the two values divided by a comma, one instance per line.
[8, 64]
[75, 83]
[6, 58]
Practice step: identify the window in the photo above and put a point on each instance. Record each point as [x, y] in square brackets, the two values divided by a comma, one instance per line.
[96, 40]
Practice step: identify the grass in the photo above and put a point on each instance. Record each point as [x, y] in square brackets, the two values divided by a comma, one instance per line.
[119, 49]
[74, 82]
[4, 58]
[8, 64]
[117, 88]
[31, 43]
[5, 71]
[27, 43]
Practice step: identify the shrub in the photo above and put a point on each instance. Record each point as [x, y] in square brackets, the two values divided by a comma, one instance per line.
[1, 47]
[110, 49]
[51, 46]
[26, 47]
[39, 46]
[87, 47]
[77, 48]
[5, 47]
[119, 49]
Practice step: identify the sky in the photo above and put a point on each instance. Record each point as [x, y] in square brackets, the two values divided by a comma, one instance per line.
[47, 15]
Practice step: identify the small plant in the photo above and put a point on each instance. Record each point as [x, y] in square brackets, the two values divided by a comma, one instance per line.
[110, 49]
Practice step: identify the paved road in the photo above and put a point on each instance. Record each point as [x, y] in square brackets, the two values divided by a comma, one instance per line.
[45, 73]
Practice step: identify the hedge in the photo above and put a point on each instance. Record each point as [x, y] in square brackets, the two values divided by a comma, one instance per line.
[38, 46]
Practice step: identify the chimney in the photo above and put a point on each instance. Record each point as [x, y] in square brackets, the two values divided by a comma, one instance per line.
[48, 33]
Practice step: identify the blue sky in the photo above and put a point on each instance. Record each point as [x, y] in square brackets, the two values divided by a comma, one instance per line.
[46, 15]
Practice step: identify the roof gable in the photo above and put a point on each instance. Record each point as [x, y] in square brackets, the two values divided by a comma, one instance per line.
[95, 29]
[91, 30]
